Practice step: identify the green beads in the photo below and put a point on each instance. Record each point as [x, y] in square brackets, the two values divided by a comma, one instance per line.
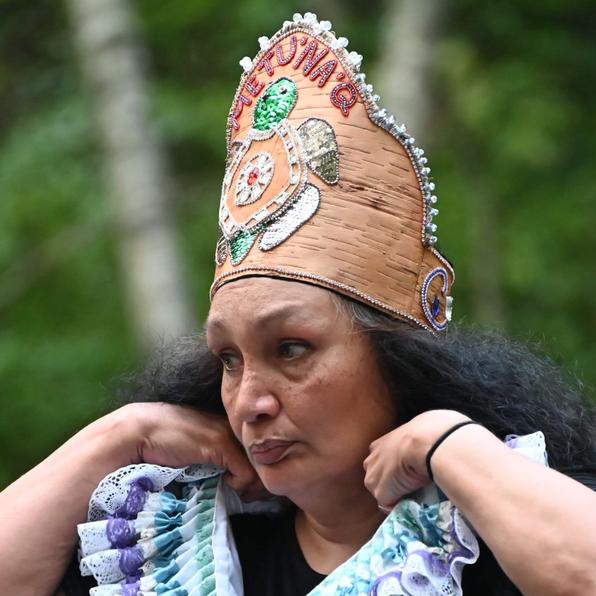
[241, 244]
[276, 104]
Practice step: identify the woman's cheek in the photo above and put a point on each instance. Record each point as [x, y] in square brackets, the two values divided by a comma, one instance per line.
[227, 398]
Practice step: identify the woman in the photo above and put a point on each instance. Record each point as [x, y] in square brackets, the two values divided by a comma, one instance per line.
[501, 500]
[344, 408]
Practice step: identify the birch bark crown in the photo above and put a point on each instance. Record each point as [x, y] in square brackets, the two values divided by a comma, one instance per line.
[323, 186]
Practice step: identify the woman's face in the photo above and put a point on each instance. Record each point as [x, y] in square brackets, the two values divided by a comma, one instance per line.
[301, 387]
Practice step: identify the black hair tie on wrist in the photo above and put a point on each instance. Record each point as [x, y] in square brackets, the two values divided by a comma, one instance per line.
[438, 442]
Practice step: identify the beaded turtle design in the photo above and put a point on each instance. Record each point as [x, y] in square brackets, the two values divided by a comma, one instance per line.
[247, 211]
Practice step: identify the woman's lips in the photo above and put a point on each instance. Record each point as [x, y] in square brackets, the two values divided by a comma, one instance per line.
[269, 452]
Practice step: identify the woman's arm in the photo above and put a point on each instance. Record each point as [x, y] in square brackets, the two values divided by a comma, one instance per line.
[540, 525]
[40, 511]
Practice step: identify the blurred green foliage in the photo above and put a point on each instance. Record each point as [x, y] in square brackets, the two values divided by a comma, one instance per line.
[514, 127]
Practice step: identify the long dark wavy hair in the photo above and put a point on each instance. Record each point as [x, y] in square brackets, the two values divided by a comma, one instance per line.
[497, 382]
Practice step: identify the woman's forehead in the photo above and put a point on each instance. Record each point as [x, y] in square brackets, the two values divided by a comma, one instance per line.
[262, 299]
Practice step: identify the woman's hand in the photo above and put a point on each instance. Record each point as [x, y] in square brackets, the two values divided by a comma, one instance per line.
[178, 436]
[396, 465]
[39, 512]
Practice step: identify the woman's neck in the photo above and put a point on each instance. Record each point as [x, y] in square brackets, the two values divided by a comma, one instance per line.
[331, 530]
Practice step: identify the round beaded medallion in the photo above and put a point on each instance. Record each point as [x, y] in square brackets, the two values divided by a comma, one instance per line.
[432, 305]
[254, 179]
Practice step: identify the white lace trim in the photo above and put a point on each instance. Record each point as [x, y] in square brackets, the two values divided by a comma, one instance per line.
[113, 489]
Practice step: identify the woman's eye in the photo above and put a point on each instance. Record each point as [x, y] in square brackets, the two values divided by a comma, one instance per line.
[230, 361]
[290, 350]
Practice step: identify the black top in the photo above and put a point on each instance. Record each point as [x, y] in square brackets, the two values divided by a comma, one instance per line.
[270, 556]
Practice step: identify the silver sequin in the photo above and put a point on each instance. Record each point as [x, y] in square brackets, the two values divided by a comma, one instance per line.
[319, 149]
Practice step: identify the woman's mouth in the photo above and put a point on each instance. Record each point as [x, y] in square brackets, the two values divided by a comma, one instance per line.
[269, 452]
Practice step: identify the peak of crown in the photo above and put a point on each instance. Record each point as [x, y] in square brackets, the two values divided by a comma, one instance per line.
[323, 29]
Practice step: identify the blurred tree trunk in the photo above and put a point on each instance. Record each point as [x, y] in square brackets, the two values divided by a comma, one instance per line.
[409, 40]
[111, 57]
[331, 10]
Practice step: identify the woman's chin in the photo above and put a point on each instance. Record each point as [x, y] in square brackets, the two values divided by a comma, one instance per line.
[281, 483]
[284, 478]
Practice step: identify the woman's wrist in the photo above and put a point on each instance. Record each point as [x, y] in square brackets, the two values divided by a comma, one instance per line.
[120, 435]
[442, 438]
[424, 431]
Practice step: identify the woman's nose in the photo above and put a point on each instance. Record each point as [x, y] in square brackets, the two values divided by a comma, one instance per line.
[255, 399]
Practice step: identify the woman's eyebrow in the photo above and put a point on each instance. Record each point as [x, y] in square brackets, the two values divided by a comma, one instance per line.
[214, 323]
[290, 311]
